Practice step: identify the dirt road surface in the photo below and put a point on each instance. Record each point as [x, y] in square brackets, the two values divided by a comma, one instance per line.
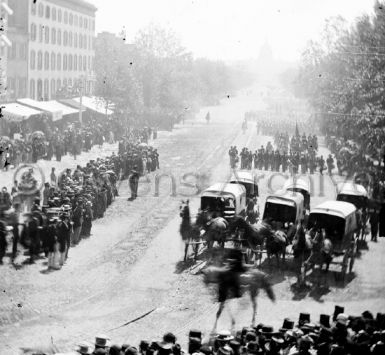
[132, 264]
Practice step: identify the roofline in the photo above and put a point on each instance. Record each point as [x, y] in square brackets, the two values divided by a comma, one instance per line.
[78, 3]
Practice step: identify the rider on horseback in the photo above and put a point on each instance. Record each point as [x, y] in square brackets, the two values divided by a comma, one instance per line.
[229, 283]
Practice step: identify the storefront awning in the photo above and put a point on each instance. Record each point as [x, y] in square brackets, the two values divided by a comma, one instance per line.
[52, 107]
[18, 112]
[72, 103]
[94, 104]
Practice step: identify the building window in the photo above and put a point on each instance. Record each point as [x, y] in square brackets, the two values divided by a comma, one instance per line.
[65, 38]
[53, 89]
[85, 23]
[75, 62]
[53, 13]
[47, 12]
[46, 61]
[59, 15]
[59, 37]
[53, 61]
[33, 60]
[65, 17]
[89, 42]
[80, 62]
[33, 32]
[53, 36]
[80, 41]
[85, 42]
[84, 63]
[65, 62]
[70, 39]
[58, 84]
[58, 61]
[41, 33]
[70, 62]
[69, 82]
[76, 20]
[71, 19]
[80, 21]
[32, 89]
[89, 63]
[65, 83]
[46, 89]
[46, 29]
[39, 60]
[39, 89]
[75, 40]
[41, 10]
[33, 8]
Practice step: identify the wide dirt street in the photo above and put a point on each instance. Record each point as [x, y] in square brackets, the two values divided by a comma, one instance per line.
[132, 265]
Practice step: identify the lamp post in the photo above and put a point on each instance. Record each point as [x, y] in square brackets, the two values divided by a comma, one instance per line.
[81, 87]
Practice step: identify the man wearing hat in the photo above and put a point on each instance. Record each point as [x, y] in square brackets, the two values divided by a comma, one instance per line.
[134, 182]
[101, 342]
[84, 348]
[64, 236]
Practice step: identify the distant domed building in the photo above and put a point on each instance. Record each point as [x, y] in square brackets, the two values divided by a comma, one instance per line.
[265, 62]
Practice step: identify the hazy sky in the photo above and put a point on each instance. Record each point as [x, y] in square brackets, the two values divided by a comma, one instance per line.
[230, 29]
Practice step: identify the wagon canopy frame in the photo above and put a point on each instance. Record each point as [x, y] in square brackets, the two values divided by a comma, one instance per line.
[248, 180]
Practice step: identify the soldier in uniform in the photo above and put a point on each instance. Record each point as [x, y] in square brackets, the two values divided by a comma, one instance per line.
[284, 160]
[329, 163]
[321, 164]
[266, 160]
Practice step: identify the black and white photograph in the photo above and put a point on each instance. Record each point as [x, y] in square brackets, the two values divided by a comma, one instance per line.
[192, 177]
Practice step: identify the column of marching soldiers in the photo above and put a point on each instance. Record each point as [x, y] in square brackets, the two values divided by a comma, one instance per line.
[62, 214]
[295, 154]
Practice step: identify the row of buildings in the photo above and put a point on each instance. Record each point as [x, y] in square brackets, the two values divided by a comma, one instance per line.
[47, 46]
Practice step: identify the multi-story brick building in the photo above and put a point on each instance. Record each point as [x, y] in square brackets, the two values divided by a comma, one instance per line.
[53, 46]
[5, 44]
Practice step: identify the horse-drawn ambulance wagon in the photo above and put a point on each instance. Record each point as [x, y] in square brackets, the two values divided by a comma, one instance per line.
[337, 219]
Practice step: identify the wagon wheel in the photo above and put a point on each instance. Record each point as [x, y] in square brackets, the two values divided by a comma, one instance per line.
[344, 266]
[351, 263]
[196, 250]
[185, 251]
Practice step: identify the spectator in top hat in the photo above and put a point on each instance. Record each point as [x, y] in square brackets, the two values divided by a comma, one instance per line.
[337, 311]
[101, 342]
[84, 348]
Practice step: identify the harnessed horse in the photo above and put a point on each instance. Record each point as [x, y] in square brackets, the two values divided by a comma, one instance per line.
[214, 228]
[258, 234]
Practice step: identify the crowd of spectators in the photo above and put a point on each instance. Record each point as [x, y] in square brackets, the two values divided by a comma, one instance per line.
[340, 334]
[28, 146]
[62, 213]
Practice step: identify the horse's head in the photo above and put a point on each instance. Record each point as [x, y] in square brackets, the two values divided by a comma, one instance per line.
[184, 209]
